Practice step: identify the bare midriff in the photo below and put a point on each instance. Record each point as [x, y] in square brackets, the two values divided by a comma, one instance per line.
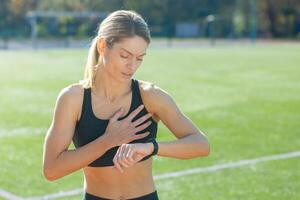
[108, 182]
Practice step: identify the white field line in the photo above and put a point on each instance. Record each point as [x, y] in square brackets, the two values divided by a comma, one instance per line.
[58, 195]
[197, 170]
[10, 196]
[228, 165]
[27, 131]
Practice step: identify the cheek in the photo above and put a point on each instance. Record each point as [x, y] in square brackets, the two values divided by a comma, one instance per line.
[118, 65]
[113, 62]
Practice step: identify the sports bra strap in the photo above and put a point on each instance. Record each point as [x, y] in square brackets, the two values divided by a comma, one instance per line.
[136, 92]
[86, 104]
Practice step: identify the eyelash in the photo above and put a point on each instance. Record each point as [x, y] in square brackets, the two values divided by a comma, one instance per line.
[125, 57]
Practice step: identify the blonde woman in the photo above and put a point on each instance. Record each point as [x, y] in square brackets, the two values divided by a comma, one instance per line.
[112, 119]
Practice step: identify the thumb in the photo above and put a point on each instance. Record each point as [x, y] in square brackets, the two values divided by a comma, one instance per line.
[117, 114]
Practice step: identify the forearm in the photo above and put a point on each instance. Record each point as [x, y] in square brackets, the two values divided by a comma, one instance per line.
[188, 147]
[72, 160]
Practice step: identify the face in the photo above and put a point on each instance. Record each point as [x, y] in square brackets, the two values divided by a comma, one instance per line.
[124, 58]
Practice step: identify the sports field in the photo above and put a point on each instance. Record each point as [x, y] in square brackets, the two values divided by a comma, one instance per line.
[245, 99]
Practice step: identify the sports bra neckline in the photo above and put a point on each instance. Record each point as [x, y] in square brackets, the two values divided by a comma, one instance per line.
[120, 118]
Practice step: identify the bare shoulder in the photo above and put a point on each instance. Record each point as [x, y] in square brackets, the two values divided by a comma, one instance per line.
[72, 97]
[153, 96]
[151, 90]
[72, 92]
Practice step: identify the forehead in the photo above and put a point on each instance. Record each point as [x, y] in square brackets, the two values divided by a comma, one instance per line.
[135, 45]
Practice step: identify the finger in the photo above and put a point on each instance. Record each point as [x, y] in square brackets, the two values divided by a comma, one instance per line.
[140, 136]
[141, 120]
[130, 155]
[125, 152]
[135, 112]
[121, 160]
[121, 156]
[125, 163]
[117, 165]
[142, 127]
[127, 159]
[117, 114]
[124, 159]
[116, 162]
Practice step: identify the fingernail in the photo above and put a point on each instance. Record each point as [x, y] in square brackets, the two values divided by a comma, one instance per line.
[141, 106]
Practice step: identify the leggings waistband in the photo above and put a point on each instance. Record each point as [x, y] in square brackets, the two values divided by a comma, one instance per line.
[151, 196]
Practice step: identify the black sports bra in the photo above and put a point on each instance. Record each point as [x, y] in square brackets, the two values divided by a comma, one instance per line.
[89, 127]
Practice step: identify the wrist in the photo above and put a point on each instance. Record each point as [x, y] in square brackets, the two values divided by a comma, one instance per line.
[151, 147]
[154, 147]
[106, 142]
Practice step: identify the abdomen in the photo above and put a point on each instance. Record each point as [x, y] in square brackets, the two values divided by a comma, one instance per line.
[110, 183]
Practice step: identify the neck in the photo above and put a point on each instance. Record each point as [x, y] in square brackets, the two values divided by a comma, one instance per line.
[108, 87]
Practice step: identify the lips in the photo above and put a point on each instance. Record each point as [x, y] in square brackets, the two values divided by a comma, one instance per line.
[126, 74]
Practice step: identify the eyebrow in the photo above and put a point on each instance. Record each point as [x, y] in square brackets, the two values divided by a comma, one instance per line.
[132, 53]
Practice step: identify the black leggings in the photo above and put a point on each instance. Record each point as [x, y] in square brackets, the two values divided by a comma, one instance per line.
[151, 196]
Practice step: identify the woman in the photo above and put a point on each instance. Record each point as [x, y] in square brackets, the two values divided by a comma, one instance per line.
[112, 119]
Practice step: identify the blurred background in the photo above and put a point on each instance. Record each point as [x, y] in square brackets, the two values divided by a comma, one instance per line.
[68, 23]
[232, 67]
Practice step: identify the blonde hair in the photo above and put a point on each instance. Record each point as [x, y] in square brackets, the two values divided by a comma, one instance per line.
[115, 27]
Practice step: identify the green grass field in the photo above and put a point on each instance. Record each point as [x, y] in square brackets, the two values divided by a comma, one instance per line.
[245, 99]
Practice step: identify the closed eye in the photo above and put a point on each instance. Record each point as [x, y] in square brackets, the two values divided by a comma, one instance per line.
[123, 56]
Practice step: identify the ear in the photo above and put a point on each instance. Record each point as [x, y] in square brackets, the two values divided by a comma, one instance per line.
[101, 46]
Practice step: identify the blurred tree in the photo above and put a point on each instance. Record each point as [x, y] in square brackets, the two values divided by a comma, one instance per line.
[62, 5]
[278, 18]
[281, 16]
[12, 17]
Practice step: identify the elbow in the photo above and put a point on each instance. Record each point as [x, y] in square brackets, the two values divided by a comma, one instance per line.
[49, 173]
[204, 148]
[201, 150]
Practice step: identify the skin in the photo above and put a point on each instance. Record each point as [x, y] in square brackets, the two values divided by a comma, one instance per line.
[111, 99]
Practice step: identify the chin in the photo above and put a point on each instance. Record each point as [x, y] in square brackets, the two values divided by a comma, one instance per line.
[126, 78]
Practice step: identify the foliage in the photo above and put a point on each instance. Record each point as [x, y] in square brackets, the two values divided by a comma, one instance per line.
[278, 18]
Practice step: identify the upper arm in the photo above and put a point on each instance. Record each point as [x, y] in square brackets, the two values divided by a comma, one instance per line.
[164, 108]
[60, 133]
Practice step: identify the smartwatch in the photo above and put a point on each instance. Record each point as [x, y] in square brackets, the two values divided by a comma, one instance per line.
[155, 145]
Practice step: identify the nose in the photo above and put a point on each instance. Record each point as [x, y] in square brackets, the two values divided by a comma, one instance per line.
[132, 65]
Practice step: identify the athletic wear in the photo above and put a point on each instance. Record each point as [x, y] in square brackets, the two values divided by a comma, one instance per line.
[151, 196]
[89, 127]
